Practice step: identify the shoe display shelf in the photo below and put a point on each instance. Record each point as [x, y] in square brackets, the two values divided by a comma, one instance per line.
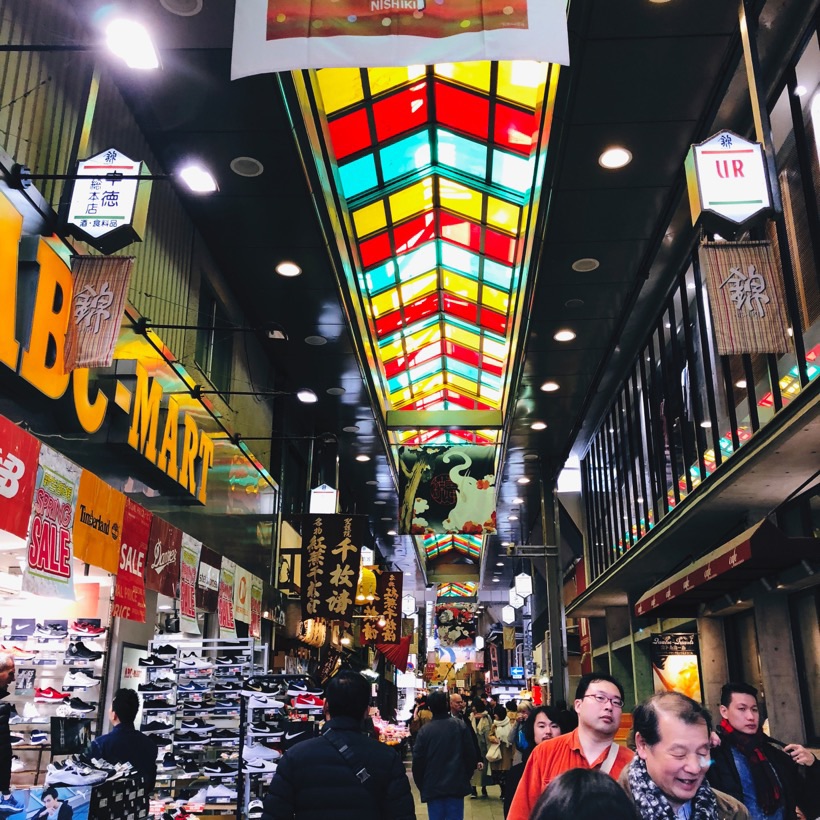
[121, 799]
[195, 717]
[55, 666]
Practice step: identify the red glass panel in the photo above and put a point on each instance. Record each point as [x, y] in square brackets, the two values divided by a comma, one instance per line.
[463, 354]
[427, 401]
[461, 231]
[496, 322]
[424, 355]
[499, 246]
[463, 111]
[395, 366]
[492, 366]
[514, 129]
[375, 250]
[423, 307]
[401, 112]
[461, 401]
[415, 232]
[460, 307]
[388, 323]
[349, 133]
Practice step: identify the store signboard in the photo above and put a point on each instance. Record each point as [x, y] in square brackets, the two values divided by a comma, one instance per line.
[255, 630]
[675, 663]
[323, 499]
[227, 575]
[19, 457]
[207, 586]
[162, 567]
[242, 596]
[98, 523]
[188, 567]
[49, 549]
[129, 592]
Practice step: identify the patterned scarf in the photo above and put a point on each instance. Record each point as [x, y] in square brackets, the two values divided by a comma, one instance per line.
[767, 786]
[652, 803]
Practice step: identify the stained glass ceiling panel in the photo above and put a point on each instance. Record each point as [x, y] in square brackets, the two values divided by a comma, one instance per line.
[468, 589]
[435, 545]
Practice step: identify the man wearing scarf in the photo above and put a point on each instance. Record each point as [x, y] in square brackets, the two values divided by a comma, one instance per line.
[666, 779]
[771, 782]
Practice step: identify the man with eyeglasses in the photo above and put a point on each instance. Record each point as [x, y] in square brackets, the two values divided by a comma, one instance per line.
[599, 701]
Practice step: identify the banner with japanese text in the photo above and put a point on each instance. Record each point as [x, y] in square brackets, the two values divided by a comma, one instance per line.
[242, 596]
[287, 35]
[129, 592]
[162, 567]
[49, 549]
[255, 630]
[100, 288]
[227, 627]
[19, 458]
[98, 523]
[746, 297]
[188, 569]
[381, 622]
[331, 553]
[675, 663]
[207, 586]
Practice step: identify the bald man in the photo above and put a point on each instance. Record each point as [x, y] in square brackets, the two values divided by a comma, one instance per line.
[8, 804]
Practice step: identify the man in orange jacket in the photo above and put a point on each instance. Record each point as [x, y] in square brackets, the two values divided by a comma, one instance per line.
[599, 700]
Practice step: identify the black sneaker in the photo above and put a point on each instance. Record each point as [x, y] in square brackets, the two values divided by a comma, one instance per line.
[81, 706]
[196, 705]
[218, 767]
[188, 737]
[166, 651]
[155, 662]
[80, 651]
[224, 734]
[158, 685]
[197, 725]
[227, 686]
[230, 660]
[155, 726]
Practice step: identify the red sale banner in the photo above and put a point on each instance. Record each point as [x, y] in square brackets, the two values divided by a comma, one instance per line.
[19, 453]
[227, 627]
[129, 592]
[188, 569]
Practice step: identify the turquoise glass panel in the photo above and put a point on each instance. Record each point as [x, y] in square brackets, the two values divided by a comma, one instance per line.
[425, 370]
[455, 366]
[381, 278]
[465, 155]
[358, 176]
[512, 172]
[458, 259]
[398, 382]
[422, 260]
[500, 276]
[407, 155]
[491, 381]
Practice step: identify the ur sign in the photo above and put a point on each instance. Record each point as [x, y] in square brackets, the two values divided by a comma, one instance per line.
[726, 176]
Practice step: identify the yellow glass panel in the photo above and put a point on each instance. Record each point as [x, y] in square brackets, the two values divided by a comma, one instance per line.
[385, 302]
[462, 337]
[340, 87]
[418, 287]
[522, 81]
[369, 219]
[464, 386]
[429, 385]
[490, 435]
[460, 199]
[401, 397]
[423, 338]
[503, 215]
[476, 75]
[391, 350]
[496, 350]
[417, 197]
[383, 79]
[495, 299]
[460, 285]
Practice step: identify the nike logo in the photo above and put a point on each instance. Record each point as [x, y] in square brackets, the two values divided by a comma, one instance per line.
[289, 736]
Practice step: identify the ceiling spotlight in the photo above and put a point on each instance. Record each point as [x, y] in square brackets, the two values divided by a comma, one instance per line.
[585, 265]
[351, 428]
[315, 341]
[288, 269]
[131, 42]
[539, 425]
[550, 387]
[512, 518]
[800, 91]
[496, 580]
[667, 325]
[615, 157]
[505, 544]
[198, 179]
[518, 501]
[690, 286]
[706, 424]
[499, 563]
[306, 396]
[392, 532]
[362, 457]
[741, 383]
[523, 480]
[564, 335]
[372, 482]
[345, 641]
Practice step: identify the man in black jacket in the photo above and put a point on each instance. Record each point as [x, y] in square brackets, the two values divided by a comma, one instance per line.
[771, 782]
[444, 759]
[342, 774]
[8, 803]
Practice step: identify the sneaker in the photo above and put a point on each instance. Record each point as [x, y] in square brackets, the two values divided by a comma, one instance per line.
[73, 774]
[197, 725]
[300, 688]
[40, 738]
[256, 751]
[227, 686]
[155, 662]
[79, 679]
[199, 797]
[80, 651]
[230, 660]
[192, 686]
[190, 768]
[225, 734]
[166, 651]
[295, 733]
[221, 793]
[19, 654]
[18, 739]
[192, 661]
[10, 805]
[156, 727]
[258, 766]
[196, 705]
[260, 701]
[81, 706]
[17, 765]
[156, 686]
[50, 631]
[187, 738]
[255, 809]
[308, 702]
[49, 695]
[86, 628]
[218, 767]
[260, 729]
[31, 714]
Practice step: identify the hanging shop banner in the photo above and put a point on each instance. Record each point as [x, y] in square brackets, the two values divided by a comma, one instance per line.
[289, 571]
[19, 457]
[746, 297]
[49, 547]
[447, 490]
[277, 35]
[207, 585]
[675, 666]
[98, 523]
[242, 596]
[162, 568]
[188, 570]
[383, 607]
[456, 624]
[227, 627]
[508, 637]
[255, 630]
[330, 562]
[100, 288]
[129, 592]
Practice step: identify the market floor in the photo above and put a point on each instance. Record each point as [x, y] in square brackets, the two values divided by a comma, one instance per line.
[482, 808]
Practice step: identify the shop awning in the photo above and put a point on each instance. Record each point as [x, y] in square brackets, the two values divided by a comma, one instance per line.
[760, 551]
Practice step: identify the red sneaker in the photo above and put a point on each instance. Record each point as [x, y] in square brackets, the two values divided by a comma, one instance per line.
[308, 702]
[49, 695]
[19, 654]
[85, 628]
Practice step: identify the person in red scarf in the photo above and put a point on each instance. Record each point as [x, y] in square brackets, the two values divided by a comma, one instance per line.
[772, 779]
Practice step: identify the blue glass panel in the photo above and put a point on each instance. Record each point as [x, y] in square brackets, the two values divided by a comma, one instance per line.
[398, 382]
[460, 260]
[358, 176]
[381, 277]
[422, 260]
[462, 369]
[424, 370]
[407, 155]
[513, 172]
[491, 381]
[463, 154]
[500, 276]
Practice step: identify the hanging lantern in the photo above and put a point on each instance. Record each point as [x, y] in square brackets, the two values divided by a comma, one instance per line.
[366, 590]
[523, 585]
[516, 601]
[508, 615]
[408, 605]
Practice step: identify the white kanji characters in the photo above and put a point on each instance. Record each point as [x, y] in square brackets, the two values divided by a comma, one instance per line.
[747, 291]
[91, 307]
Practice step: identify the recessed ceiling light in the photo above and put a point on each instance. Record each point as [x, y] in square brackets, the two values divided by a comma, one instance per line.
[184, 8]
[512, 518]
[523, 480]
[335, 391]
[706, 424]
[246, 166]
[392, 532]
[351, 428]
[496, 580]
[379, 501]
[506, 543]
[539, 425]
[131, 42]
[388, 518]
[800, 91]
[585, 265]
[362, 457]
[530, 456]
[615, 157]
[690, 286]
[288, 269]
[741, 383]
[372, 482]
[550, 387]
[500, 564]
[565, 335]
[306, 396]
[198, 179]
[667, 325]
[518, 500]
[574, 303]
[315, 341]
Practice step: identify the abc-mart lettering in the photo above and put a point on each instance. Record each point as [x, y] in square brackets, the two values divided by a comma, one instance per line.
[178, 447]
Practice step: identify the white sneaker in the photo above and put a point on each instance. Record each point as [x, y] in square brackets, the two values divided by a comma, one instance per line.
[31, 714]
[258, 765]
[261, 701]
[259, 752]
[255, 808]
[221, 793]
[200, 797]
[79, 679]
[17, 765]
[193, 662]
